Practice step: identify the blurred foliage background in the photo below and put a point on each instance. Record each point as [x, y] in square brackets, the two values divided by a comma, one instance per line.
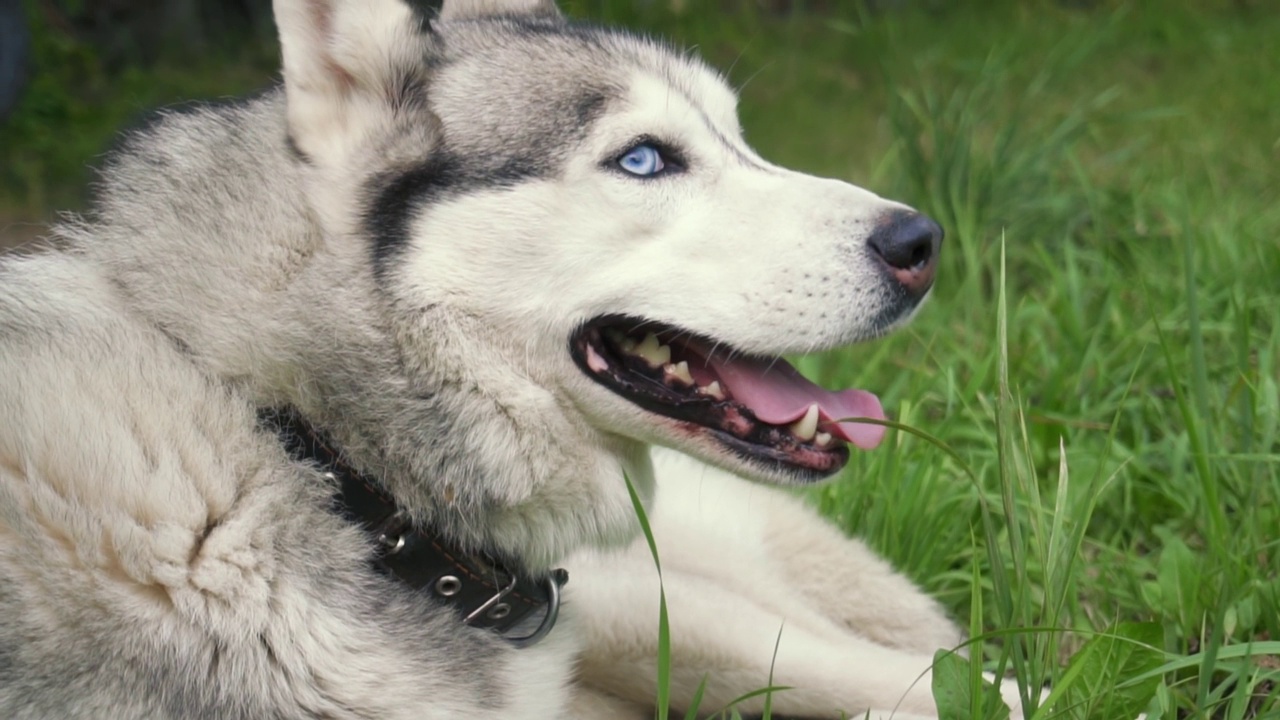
[73, 72]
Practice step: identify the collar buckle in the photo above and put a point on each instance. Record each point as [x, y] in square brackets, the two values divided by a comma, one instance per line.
[552, 584]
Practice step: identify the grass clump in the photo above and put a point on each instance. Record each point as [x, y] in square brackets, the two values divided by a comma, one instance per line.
[1125, 427]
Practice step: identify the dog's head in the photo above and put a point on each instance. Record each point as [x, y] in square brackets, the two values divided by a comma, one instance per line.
[568, 225]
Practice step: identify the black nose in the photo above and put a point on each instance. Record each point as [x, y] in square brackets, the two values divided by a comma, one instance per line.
[908, 244]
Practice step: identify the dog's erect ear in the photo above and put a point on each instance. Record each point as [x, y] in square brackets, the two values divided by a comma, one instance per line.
[470, 9]
[348, 66]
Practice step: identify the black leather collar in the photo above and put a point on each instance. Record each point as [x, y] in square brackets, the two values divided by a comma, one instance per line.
[485, 592]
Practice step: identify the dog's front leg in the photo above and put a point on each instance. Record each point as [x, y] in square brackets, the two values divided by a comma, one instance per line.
[747, 568]
[726, 637]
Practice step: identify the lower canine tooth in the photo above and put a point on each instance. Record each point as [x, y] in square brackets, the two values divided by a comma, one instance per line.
[822, 439]
[713, 390]
[679, 371]
[807, 426]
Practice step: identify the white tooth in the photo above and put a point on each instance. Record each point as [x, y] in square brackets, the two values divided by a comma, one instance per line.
[805, 427]
[822, 439]
[713, 390]
[653, 353]
[661, 357]
[679, 371]
[650, 342]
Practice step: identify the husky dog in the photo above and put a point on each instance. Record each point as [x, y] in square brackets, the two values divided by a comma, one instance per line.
[302, 419]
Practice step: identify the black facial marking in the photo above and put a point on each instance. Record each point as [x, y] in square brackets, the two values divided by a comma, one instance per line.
[492, 155]
[397, 194]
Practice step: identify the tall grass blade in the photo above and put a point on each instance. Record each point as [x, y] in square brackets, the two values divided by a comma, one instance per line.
[663, 701]
[1010, 607]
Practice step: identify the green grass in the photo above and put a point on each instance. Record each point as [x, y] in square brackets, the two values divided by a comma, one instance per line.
[1101, 356]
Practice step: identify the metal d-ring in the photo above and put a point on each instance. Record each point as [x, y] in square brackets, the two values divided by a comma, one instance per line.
[548, 620]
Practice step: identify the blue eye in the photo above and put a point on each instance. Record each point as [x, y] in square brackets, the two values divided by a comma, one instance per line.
[642, 161]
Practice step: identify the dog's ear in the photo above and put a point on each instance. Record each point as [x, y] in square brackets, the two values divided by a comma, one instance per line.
[470, 9]
[349, 65]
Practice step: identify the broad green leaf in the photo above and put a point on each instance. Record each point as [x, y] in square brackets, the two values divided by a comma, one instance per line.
[1125, 651]
[953, 691]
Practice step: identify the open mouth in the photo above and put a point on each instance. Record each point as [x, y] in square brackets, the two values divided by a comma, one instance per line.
[760, 408]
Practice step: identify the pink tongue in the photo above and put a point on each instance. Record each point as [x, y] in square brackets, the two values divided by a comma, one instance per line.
[780, 395]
